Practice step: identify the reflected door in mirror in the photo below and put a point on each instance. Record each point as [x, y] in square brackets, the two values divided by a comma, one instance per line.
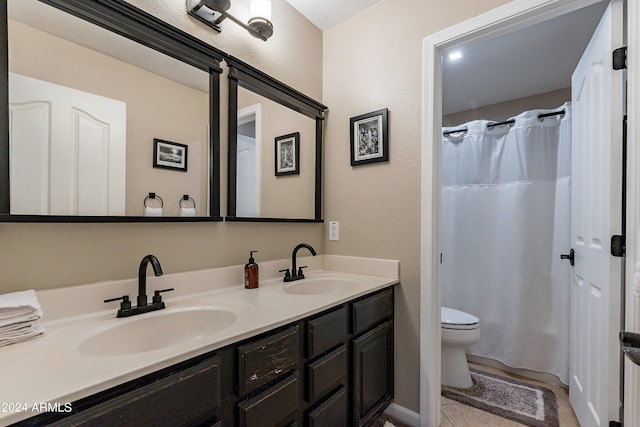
[68, 150]
[248, 151]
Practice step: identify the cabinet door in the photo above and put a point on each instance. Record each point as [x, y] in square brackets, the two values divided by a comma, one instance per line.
[189, 397]
[372, 373]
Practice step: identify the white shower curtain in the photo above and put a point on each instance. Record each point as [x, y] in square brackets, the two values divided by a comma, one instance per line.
[505, 221]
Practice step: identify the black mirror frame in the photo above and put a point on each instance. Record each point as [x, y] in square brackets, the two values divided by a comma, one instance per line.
[243, 75]
[128, 21]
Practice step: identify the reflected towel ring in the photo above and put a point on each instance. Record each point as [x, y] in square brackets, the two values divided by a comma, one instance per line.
[187, 198]
[153, 196]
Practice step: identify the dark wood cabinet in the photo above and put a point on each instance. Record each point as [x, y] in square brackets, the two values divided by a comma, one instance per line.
[371, 310]
[326, 331]
[331, 369]
[327, 373]
[188, 397]
[274, 407]
[333, 412]
[372, 373]
[263, 360]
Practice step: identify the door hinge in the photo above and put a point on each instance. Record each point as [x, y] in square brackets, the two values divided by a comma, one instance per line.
[618, 245]
[620, 58]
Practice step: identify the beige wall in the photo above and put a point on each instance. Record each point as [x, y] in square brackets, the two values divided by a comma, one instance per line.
[505, 110]
[52, 255]
[372, 61]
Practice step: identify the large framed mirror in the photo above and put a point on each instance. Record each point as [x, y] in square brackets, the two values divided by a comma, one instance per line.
[108, 115]
[275, 149]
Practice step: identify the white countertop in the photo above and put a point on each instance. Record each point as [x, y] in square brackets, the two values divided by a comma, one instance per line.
[53, 369]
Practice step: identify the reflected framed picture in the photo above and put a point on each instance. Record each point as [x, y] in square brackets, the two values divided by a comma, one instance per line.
[169, 155]
[287, 155]
[369, 138]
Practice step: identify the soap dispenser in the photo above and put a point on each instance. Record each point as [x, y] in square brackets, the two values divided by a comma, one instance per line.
[251, 276]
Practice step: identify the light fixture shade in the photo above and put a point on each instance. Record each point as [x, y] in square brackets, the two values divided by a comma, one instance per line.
[260, 17]
[260, 9]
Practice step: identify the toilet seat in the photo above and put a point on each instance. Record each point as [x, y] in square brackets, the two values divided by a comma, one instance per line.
[450, 318]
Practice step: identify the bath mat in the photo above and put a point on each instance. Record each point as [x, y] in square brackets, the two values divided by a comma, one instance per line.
[518, 401]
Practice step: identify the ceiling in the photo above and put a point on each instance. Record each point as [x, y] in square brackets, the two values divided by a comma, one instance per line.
[324, 14]
[531, 61]
[527, 62]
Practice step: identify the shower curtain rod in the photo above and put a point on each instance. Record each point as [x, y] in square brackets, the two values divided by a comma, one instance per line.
[509, 122]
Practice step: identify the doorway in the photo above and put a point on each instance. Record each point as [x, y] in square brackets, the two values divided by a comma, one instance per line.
[248, 158]
[500, 21]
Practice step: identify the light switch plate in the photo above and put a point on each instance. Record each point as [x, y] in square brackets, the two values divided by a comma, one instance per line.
[334, 230]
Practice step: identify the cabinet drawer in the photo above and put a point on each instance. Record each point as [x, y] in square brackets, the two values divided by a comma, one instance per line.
[191, 396]
[264, 360]
[272, 407]
[370, 311]
[326, 331]
[332, 412]
[326, 373]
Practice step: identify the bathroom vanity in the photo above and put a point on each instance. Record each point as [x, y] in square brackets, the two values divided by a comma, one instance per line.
[305, 354]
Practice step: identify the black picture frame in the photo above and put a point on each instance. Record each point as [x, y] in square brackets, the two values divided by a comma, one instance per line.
[287, 154]
[369, 138]
[170, 155]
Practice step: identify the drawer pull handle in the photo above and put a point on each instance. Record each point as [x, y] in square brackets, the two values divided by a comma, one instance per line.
[253, 377]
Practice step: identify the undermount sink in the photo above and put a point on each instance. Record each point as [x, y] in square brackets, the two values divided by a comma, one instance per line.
[180, 323]
[320, 286]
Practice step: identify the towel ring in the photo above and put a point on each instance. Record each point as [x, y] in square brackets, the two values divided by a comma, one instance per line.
[152, 196]
[188, 199]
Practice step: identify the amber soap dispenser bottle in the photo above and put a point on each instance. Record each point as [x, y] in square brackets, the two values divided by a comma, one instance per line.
[251, 276]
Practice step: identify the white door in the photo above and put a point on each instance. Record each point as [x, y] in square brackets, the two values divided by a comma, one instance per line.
[68, 150]
[596, 215]
[247, 178]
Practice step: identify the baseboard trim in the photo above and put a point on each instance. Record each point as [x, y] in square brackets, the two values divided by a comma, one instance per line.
[403, 414]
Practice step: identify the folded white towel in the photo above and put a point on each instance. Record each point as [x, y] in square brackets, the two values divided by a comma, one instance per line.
[33, 316]
[187, 211]
[35, 330]
[20, 303]
[19, 316]
[152, 211]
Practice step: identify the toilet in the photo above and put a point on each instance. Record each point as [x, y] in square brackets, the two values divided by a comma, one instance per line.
[459, 329]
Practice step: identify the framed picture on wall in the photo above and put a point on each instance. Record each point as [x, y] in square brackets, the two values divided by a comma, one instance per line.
[287, 154]
[169, 155]
[369, 138]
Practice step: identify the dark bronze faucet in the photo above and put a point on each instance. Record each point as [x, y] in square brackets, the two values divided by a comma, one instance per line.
[143, 307]
[297, 274]
[142, 277]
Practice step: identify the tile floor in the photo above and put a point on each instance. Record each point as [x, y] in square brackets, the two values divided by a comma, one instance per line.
[456, 414]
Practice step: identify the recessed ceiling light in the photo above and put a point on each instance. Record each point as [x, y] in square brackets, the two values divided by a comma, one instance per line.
[454, 56]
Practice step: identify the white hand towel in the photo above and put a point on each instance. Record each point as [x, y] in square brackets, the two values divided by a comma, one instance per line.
[187, 211]
[19, 315]
[152, 211]
[34, 331]
[20, 303]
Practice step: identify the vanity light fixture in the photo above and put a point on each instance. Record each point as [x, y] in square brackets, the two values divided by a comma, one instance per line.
[213, 12]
